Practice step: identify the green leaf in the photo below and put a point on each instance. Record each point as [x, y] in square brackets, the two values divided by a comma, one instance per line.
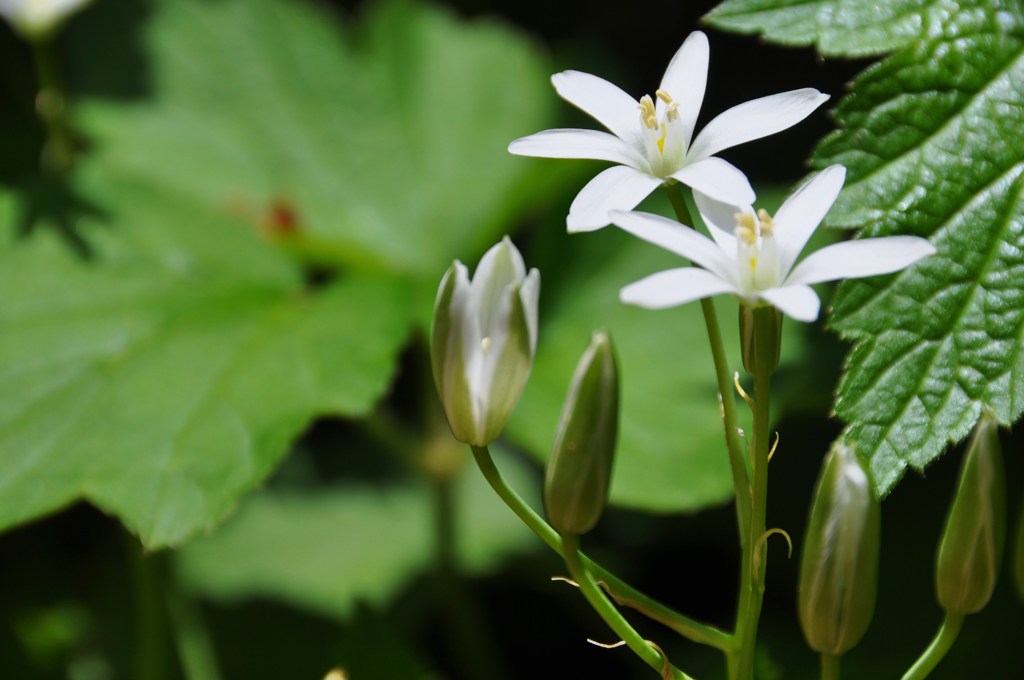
[851, 28]
[331, 549]
[165, 377]
[163, 396]
[671, 454]
[934, 143]
[384, 139]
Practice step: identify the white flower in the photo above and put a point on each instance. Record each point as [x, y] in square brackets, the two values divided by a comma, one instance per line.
[752, 256]
[483, 341]
[653, 140]
[36, 17]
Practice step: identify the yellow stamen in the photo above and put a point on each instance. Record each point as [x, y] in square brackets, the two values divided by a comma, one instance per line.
[663, 96]
[647, 112]
[485, 344]
[753, 263]
[661, 144]
[746, 220]
[746, 234]
[767, 224]
[672, 112]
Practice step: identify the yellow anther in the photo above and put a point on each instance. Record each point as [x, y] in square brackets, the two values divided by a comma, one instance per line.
[647, 112]
[767, 224]
[663, 96]
[672, 112]
[485, 344]
[746, 220]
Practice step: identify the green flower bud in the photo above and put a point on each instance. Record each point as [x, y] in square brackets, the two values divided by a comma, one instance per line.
[760, 338]
[483, 340]
[580, 467]
[972, 542]
[839, 565]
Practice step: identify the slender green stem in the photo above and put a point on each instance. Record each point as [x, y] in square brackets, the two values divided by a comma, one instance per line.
[617, 589]
[755, 552]
[191, 635]
[829, 666]
[686, 210]
[596, 597]
[931, 657]
[150, 615]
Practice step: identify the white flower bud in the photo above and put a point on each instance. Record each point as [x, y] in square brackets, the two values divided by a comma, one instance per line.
[34, 18]
[483, 341]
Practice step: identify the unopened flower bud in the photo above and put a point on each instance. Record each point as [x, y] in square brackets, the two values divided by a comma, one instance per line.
[760, 338]
[483, 341]
[839, 566]
[580, 467]
[972, 542]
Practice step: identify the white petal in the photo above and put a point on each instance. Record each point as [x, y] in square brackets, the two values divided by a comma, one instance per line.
[592, 144]
[718, 179]
[530, 294]
[720, 219]
[755, 119]
[676, 238]
[605, 102]
[798, 302]
[857, 259]
[500, 268]
[802, 212]
[673, 287]
[618, 188]
[685, 80]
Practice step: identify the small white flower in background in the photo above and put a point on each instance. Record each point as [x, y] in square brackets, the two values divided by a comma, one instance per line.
[653, 140]
[33, 18]
[752, 255]
[483, 341]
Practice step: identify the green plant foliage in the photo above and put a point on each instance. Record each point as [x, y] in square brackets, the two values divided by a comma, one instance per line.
[847, 28]
[332, 549]
[163, 377]
[934, 142]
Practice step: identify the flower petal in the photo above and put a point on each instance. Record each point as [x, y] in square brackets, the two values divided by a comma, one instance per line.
[802, 212]
[718, 179]
[797, 302]
[677, 238]
[720, 219]
[592, 144]
[673, 287]
[603, 101]
[755, 119]
[685, 80]
[618, 188]
[857, 259]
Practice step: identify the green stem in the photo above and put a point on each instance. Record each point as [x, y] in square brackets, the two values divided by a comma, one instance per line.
[596, 597]
[686, 210]
[755, 551]
[931, 657]
[829, 666]
[191, 635]
[617, 589]
[150, 616]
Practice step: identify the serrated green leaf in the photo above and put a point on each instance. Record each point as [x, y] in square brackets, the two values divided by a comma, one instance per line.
[851, 28]
[671, 454]
[331, 549]
[933, 138]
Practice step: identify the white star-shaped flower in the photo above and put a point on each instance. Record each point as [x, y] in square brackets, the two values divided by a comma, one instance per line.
[653, 141]
[753, 255]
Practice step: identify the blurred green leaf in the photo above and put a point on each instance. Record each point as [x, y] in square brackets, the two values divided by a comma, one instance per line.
[671, 455]
[163, 378]
[383, 141]
[934, 143]
[331, 549]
